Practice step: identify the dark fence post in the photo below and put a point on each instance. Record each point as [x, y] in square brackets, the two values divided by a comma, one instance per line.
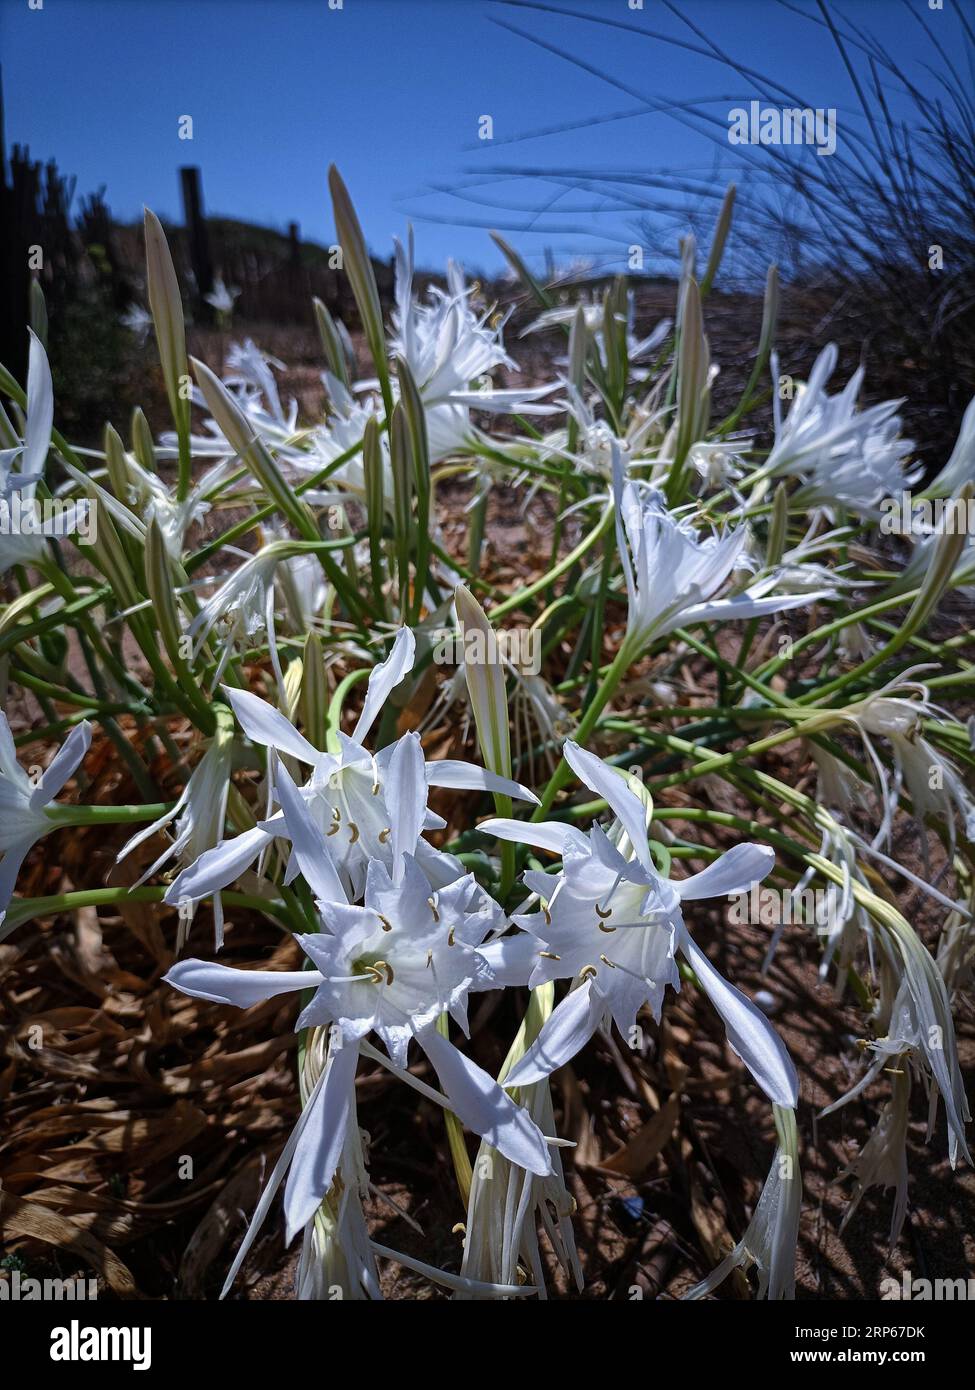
[199, 241]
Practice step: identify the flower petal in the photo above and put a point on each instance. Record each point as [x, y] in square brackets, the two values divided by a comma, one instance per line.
[224, 984]
[218, 867]
[384, 680]
[319, 1150]
[749, 1032]
[63, 764]
[264, 724]
[406, 796]
[479, 1102]
[553, 835]
[449, 772]
[310, 846]
[734, 872]
[608, 784]
[511, 959]
[566, 1032]
[40, 409]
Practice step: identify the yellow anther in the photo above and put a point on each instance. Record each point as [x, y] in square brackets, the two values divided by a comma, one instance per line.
[604, 913]
[387, 924]
[433, 909]
[384, 835]
[549, 955]
[354, 831]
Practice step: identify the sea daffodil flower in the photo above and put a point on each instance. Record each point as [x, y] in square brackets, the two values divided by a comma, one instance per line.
[673, 576]
[353, 810]
[392, 966]
[23, 818]
[613, 925]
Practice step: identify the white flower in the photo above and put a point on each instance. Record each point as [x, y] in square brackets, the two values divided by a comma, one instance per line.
[138, 321]
[344, 430]
[392, 966]
[199, 813]
[613, 925]
[673, 576]
[843, 456]
[355, 808]
[23, 819]
[448, 348]
[222, 297]
[935, 785]
[27, 546]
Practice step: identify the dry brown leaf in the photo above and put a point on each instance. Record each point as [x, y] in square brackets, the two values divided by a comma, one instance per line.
[29, 1220]
[637, 1154]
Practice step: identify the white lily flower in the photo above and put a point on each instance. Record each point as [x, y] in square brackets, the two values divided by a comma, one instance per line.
[344, 430]
[934, 784]
[843, 456]
[239, 609]
[23, 819]
[393, 967]
[26, 546]
[448, 348]
[222, 297]
[614, 925]
[673, 576]
[353, 806]
[200, 814]
[251, 384]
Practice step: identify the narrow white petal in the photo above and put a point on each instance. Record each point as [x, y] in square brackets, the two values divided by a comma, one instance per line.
[319, 1149]
[467, 777]
[63, 764]
[406, 796]
[384, 680]
[552, 835]
[734, 872]
[749, 1032]
[218, 867]
[264, 724]
[40, 408]
[479, 1103]
[511, 959]
[223, 984]
[565, 1033]
[310, 845]
[607, 783]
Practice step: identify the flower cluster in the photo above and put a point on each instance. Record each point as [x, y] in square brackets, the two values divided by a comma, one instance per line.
[272, 691]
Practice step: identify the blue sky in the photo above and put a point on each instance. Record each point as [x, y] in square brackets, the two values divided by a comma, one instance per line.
[391, 91]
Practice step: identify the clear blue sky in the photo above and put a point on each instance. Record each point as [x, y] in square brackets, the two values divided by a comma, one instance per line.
[391, 90]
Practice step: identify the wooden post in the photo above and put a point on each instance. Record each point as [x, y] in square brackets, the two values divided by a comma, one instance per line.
[197, 236]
